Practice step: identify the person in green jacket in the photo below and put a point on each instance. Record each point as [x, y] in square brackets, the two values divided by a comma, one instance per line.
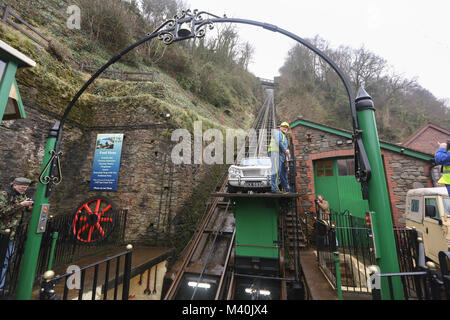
[278, 152]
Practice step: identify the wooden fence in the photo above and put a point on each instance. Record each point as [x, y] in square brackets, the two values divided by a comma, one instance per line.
[118, 74]
[16, 20]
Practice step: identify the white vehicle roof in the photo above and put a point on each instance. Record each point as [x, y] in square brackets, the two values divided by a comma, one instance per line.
[428, 192]
[256, 161]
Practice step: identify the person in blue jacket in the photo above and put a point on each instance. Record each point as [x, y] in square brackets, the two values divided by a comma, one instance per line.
[442, 157]
[278, 151]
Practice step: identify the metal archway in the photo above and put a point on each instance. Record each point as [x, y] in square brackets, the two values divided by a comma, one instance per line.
[185, 26]
[190, 25]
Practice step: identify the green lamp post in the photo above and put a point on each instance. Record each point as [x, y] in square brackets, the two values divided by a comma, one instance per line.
[38, 221]
[386, 252]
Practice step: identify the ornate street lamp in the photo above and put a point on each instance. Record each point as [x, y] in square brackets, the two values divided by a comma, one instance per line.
[194, 24]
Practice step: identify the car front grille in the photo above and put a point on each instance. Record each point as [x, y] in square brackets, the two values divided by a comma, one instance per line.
[252, 173]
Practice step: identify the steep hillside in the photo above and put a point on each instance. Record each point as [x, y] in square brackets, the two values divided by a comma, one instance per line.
[161, 198]
[57, 76]
[309, 88]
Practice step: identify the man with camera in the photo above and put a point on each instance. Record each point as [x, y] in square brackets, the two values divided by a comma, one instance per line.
[14, 203]
[442, 157]
[323, 212]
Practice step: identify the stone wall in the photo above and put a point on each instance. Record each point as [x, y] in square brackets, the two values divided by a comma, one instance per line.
[150, 187]
[402, 172]
[143, 189]
[22, 143]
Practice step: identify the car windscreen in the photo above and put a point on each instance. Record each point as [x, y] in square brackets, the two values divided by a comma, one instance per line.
[256, 162]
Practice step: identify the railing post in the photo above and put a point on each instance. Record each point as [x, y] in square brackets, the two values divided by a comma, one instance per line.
[47, 291]
[127, 273]
[4, 243]
[338, 275]
[433, 283]
[444, 262]
[308, 240]
[52, 250]
[5, 14]
[5, 258]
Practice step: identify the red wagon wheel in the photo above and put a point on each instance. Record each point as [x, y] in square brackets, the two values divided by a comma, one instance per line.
[94, 220]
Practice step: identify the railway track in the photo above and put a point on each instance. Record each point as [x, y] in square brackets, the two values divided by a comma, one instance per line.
[210, 250]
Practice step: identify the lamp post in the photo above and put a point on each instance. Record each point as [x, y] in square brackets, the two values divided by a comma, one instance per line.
[37, 224]
[383, 229]
[188, 25]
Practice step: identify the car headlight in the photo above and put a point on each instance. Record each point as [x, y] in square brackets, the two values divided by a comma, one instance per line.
[234, 171]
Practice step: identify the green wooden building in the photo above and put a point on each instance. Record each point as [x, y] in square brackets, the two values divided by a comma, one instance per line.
[11, 106]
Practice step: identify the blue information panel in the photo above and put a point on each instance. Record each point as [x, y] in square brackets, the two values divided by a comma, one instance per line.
[105, 169]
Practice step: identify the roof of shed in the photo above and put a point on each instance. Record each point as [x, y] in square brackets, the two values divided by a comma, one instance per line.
[349, 135]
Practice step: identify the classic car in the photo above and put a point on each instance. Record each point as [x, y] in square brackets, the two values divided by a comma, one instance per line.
[252, 174]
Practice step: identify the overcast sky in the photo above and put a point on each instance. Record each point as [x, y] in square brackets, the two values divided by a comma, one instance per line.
[412, 35]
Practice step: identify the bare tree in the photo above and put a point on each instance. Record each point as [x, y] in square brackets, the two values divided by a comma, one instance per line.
[247, 53]
[155, 12]
[366, 66]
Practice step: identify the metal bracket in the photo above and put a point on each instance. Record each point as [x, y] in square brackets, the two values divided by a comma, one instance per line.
[55, 163]
[363, 171]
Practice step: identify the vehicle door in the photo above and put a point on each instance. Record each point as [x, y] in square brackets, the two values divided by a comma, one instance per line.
[446, 218]
[434, 235]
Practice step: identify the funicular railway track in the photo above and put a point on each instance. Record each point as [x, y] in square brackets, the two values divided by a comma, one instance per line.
[210, 250]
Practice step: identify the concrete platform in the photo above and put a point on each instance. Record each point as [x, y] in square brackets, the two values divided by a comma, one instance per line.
[256, 195]
[318, 285]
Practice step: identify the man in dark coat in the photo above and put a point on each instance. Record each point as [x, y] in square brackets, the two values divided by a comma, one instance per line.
[14, 204]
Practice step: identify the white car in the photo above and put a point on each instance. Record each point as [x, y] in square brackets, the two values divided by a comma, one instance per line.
[252, 174]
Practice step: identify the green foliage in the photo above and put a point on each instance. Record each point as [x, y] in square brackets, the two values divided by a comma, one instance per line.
[112, 23]
[222, 87]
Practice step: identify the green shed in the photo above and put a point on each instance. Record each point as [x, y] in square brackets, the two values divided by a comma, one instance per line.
[11, 106]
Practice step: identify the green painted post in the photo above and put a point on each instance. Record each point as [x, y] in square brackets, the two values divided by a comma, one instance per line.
[386, 250]
[33, 243]
[52, 251]
[338, 275]
[5, 85]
